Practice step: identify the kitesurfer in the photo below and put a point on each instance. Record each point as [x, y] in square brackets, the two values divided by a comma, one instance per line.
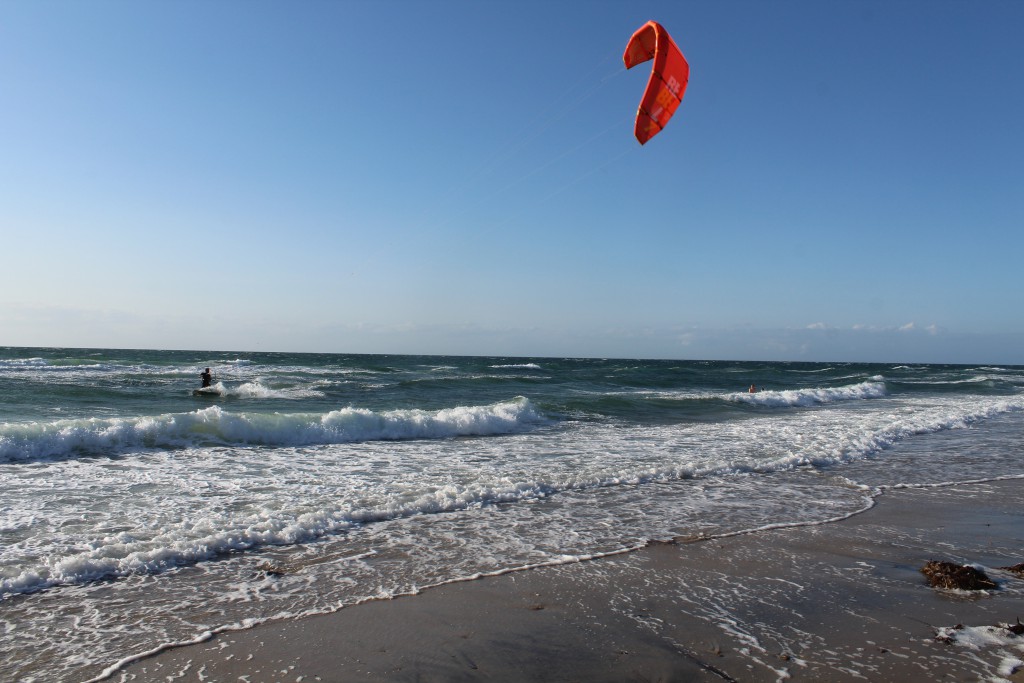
[206, 377]
[752, 389]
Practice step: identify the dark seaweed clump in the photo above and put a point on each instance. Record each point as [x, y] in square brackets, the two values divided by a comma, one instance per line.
[956, 577]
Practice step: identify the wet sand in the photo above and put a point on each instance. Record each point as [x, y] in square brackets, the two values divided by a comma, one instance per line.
[843, 601]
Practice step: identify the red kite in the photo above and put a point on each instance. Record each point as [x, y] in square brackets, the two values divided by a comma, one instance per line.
[669, 75]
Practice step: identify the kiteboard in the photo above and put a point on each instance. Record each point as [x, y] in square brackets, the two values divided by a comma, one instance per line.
[205, 391]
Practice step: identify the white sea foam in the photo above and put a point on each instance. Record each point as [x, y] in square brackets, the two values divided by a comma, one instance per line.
[43, 367]
[17, 363]
[664, 394]
[523, 366]
[416, 484]
[258, 390]
[981, 637]
[977, 379]
[827, 368]
[811, 397]
[214, 425]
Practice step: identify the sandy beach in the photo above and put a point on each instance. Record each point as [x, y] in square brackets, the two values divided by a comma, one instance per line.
[842, 601]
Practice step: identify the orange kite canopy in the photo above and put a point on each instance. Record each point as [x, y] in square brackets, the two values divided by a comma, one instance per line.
[669, 75]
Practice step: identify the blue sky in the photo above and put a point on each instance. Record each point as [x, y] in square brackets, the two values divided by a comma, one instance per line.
[843, 181]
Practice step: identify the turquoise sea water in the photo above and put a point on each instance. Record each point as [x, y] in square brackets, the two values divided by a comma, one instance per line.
[135, 514]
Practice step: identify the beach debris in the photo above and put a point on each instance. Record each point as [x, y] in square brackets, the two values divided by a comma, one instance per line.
[978, 637]
[947, 634]
[1016, 569]
[658, 541]
[952, 576]
[271, 569]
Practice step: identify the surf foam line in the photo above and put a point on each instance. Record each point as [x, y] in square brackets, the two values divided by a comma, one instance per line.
[872, 442]
[125, 554]
[259, 390]
[847, 449]
[213, 426]
[20, 363]
[950, 484]
[874, 388]
[869, 500]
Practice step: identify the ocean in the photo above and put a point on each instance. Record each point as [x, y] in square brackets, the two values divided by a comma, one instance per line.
[135, 515]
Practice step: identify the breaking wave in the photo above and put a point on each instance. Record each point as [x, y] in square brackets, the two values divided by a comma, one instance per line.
[215, 426]
[874, 388]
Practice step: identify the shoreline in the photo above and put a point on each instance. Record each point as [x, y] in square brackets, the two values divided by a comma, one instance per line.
[836, 601]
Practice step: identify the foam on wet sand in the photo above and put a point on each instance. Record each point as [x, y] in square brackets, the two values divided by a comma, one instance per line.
[843, 601]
